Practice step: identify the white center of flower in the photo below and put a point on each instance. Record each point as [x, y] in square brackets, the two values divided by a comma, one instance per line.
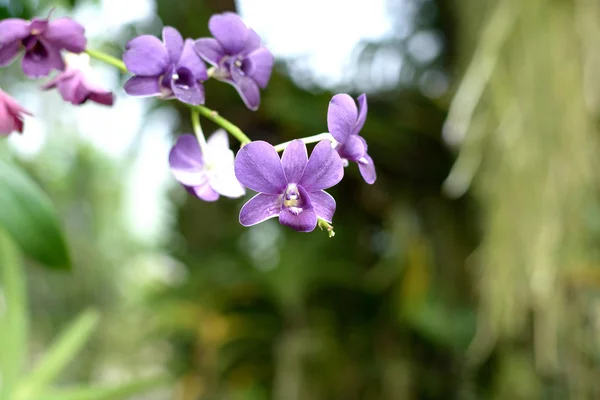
[292, 199]
[175, 76]
[238, 63]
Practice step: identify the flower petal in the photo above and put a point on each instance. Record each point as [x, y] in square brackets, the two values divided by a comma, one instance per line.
[11, 115]
[367, 169]
[259, 65]
[146, 55]
[258, 167]
[294, 160]
[260, 208]
[224, 181]
[193, 94]
[8, 52]
[186, 161]
[142, 86]
[203, 192]
[324, 168]
[352, 149]
[12, 30]
[102, 97]
[67, 34]
[229, 29]
[246, 88]
[362, 113]
[218, 141]
[252, 42]
[210, 50]
[324, 205]
[302, 220]
[173, 42]
[34, 67]
[191, 60]
[341, 116]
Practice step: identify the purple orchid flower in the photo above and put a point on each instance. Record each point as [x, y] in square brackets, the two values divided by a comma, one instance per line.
[74, 83]
[290, 188]
[166, 69]
[207, 171]
[42, 40]
[238, 57]
[11, 115]
[345, 121]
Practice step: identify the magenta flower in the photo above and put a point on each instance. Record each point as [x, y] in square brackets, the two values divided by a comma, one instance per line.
[74, 84]
[166, 69]
[290, 188]
[42, 40]
[345, 121]
[238, 57]
[205, 172]
[11, 115]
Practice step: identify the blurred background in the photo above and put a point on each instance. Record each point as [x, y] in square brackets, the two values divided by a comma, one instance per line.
[469, 270]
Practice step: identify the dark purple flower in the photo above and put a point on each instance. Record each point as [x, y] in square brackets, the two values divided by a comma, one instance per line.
[238, 57]
[290, 188]
[167, 69]
[345, 121]
[205, 172]
[11, 115]
[42, 40]
[74, 84]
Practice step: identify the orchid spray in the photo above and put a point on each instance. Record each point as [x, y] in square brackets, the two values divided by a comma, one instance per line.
[290, 187]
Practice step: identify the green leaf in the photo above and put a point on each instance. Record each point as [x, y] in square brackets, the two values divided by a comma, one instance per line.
[107, 393]
[29, 216]
[13, 314]
[63, 350]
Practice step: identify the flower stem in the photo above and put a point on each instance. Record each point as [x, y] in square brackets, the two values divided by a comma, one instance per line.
[307, 140]
[327, 226]
[214, 116]
[198, 130]
[108, 59]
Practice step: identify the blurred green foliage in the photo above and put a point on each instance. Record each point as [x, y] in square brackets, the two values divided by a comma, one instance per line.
[469, 270]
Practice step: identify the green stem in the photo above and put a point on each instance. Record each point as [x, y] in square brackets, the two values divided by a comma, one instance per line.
[327, 226]
[105, 58]
[214, 116]
[307, 140]
[198, 130]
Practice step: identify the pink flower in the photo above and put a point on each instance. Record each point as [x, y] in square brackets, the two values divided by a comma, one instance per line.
[11, 115]
[74, 83]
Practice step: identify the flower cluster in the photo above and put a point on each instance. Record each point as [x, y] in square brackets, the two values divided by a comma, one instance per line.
[290, 187]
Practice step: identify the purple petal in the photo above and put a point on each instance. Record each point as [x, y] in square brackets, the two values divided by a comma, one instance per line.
[252, 42]
[362, 113]
[186, 161]
[324, 205]
[203, 192]
[13, 30]
[229, 29]
[11, 118]
[294, 160]
[67, 34]
[352, 149]
[260, 208]
[247, 89]
[8, 52]
[193, 94]
[142, 86]
[258, 167]
[173, 42]
[367, 169]
[301, 219]
[34, 67]
[259, 65]
[38, 26]
[191, 60]
[146, 55]
[341, 116]
[210, 50]
[105, 97]
[324, 168]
